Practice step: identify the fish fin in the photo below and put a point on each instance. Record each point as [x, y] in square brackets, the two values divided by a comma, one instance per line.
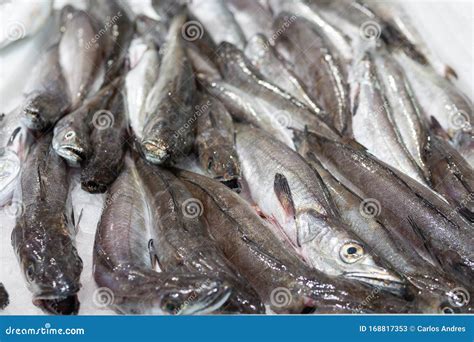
[354, 144]
[355, 100]
[449, 73]
[13, 136]
[467, 214]
[437, 129]
[76, 224]
[422, 236]
[283, 193]
[153, 256]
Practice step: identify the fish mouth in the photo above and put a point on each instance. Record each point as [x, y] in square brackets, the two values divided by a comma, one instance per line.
[93, 186]
[73, 154]
[59, 306]
[155, 152]
[32, 119]
[233, 184]
[380, 279]
[209, 303]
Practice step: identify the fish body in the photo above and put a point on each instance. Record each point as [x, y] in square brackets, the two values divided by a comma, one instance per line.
[4, 301]
[182, 241]
[252, 17]
[122, 265]
[43, 237]
[296, 198]
[215, 141]
[168, 132]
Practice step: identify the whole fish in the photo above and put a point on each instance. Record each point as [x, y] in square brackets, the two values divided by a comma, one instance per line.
[404, 107]
[71, 133]
[215, 141]
[283, 281]
[284, 110]
[47, 97]
[451, 175]
[79, 57]
[4, 301]
[218, 21]
[122, 265]
[300, 9]
[439, 98]
[363, 223]
[182, 241]
[318, 66]
[168, 132]
[43, 237]
[252, 17]
[294, 196]
[24, 19]
[405, 209]
[373, 124]
[139, 81]
[108, 141]
[114, 32]
[273, 67]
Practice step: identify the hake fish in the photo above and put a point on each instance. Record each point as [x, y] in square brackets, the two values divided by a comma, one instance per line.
[215, 142]
[43, 235]
[294, 196]
[252, 16]
[182, 241]
[271, 266]
[168, 133]
[124, 270]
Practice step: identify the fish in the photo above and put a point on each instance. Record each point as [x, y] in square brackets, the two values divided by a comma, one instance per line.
[46, 97]
[123, 268]
[4, 300]
[217, 19]
[441, 99]
[81, 68]
[71, 134]
[108, 139]
[252, 17]
[318, 66]
[361, 219]
[168, 132]
[451, 175]
[301, 9]
[285, 112]
[274, 68]
[405, 208]
[113, 33]
[373, 122]
[284, 282]
[294, 196]
[24, 20]
[140, 80]
[406, 113]
[215, 143]
[43, 237]
[15, 142]
[183, 243]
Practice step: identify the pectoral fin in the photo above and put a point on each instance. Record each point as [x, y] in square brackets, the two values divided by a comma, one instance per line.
[283, 193]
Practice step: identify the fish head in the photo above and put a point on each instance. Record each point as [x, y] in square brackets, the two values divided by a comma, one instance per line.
[53, 278]
[155, 151]
[70, 145]
[192, 295]
[36, 109]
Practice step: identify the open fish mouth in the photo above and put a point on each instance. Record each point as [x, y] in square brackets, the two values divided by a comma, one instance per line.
[59, 306]
[383, 280]
[210, 303]
[73, 154]
[155, 152]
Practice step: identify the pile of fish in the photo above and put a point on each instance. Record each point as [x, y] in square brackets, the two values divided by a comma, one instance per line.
[304, 156]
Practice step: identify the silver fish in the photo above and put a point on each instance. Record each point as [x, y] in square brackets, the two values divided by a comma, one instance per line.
[122, 263]
[252, 17]
[294, 196]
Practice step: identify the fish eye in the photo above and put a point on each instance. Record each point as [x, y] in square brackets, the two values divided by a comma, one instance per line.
[447, 310]
[70, 135]
[30, 272]
[171, 305]
[351, 252]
